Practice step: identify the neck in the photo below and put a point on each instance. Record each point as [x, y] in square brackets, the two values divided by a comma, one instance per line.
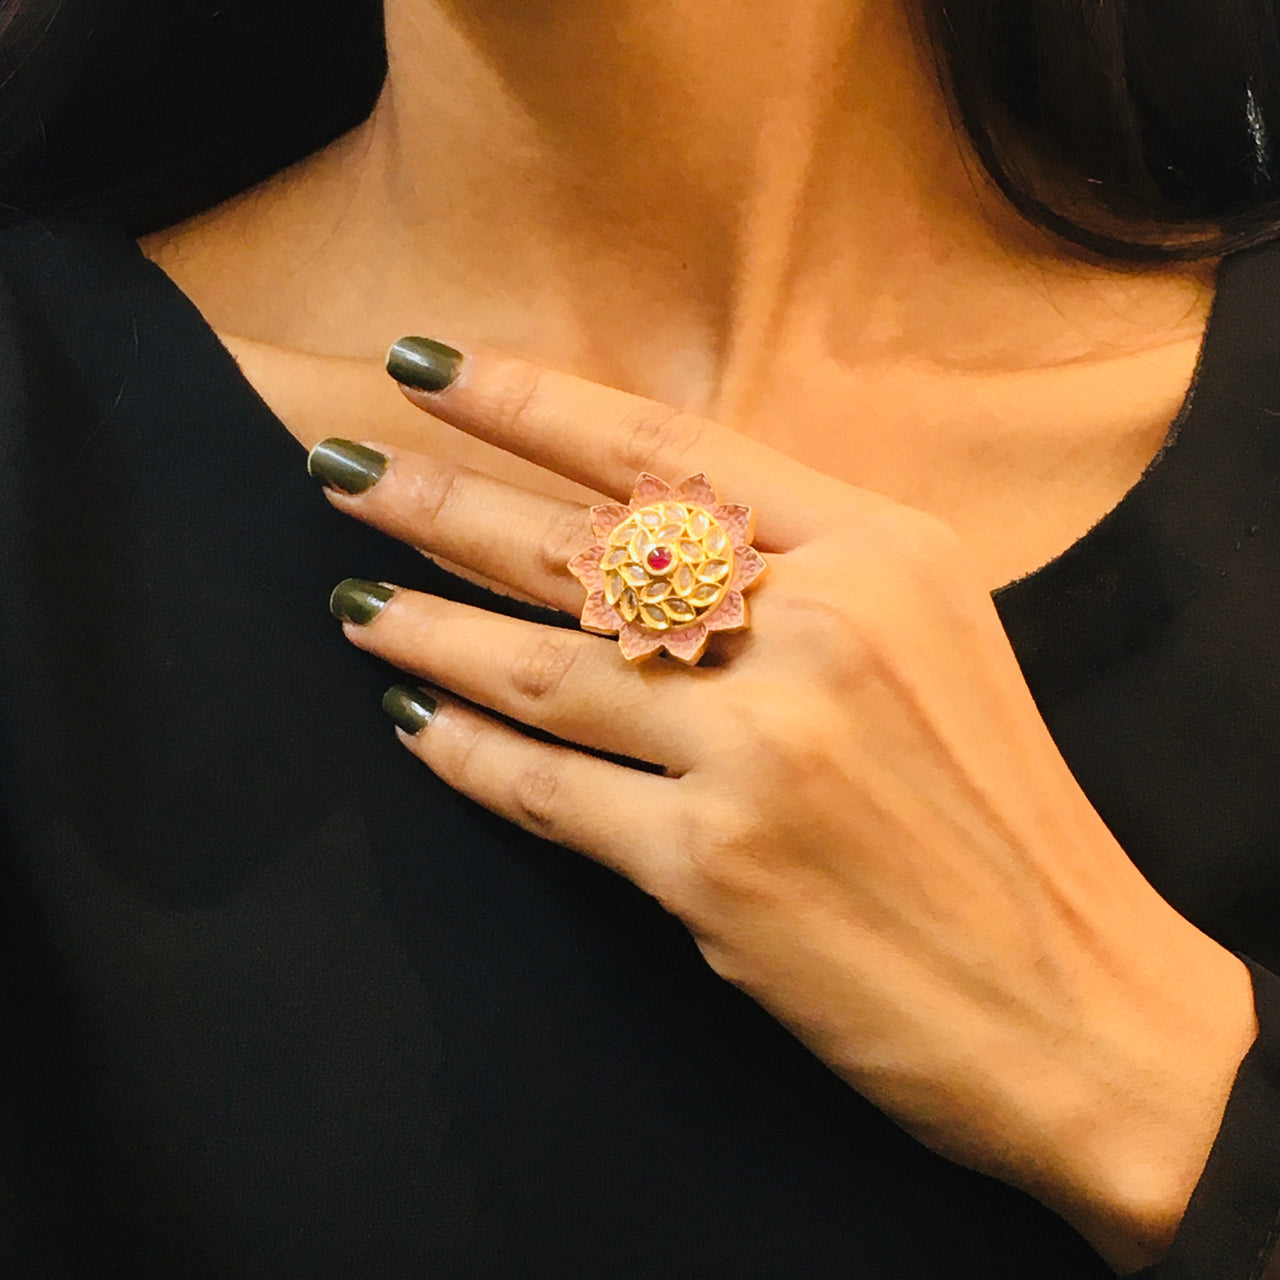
[671, 197]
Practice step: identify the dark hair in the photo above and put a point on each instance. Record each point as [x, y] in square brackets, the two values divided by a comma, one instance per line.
[1134, 129]
[1138, 129]
[143, 112]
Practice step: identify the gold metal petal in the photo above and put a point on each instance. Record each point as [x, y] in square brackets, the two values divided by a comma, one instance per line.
[656, 590]
[634, 575]
[653, 616]
[713, 571]
[628, 605]
[682, 580]
[614, 557]
[716, 541]
[679, 611]
[698, 524]
[613, 588]
[670, 532]
[704, 595]
[675, 512]
[692, 552]
[649, 517]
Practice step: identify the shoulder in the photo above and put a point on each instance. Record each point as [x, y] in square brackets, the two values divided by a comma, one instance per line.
[65, 288]
[46, 255]
[78, 302]
[1236, 391]
[1248, 299]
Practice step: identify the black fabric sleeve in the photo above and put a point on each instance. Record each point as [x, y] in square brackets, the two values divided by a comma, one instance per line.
[1231, 1230]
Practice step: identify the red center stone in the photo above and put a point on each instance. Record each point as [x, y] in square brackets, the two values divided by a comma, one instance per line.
[659, 559]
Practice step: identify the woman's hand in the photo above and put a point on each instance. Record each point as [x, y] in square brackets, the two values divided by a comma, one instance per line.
[863, 819]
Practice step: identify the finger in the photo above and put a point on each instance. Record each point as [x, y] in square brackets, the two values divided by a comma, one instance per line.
[605, 810]
[508, 534]
[604, 438]
[574, 686]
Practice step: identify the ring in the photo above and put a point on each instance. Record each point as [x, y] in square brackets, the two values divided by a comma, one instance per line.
[668, 568]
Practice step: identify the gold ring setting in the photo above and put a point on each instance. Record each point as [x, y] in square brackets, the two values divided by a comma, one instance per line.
[668, 569]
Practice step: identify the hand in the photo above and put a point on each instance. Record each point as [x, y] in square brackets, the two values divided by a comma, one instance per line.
[863, 820]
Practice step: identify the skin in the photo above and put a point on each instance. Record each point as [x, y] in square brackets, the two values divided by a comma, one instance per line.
[773, 229]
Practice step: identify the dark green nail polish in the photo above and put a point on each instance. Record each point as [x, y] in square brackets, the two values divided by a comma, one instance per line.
[359, 600]
[423, 363]
[345, 465]
[411, 709]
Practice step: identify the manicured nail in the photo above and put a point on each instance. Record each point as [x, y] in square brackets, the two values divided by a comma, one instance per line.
[346, 466]
[423, 363]
[358, 600]
[411, 709]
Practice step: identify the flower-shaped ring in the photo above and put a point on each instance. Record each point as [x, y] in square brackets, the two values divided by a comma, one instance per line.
[668, 568]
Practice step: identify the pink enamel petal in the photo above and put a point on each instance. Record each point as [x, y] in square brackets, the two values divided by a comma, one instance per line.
[736, 520]
[748, 565]
[638, 642]
[606, 517]
[688, 644]
[697, 489]
[598, 615]
[649, 489]
[585, 566]
[729, 615]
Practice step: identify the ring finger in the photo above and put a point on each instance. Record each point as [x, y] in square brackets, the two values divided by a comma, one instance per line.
[571, 685]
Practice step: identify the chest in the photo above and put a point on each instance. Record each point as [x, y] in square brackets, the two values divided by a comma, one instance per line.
[1020, 465]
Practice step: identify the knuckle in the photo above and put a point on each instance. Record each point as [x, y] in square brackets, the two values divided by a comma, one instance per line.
[566, 534]
[653, 433]
[515, 391]
[458, 754]
[912, 544]
[540, 669]
[537, 794]
[798, 744]
[815, 617]
[430, 497]
[825, 629]
[719, 841]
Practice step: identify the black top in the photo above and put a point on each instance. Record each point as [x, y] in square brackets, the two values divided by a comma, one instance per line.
[274, 1002]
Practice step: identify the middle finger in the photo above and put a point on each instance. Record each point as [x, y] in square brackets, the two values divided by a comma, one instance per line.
[511, 535]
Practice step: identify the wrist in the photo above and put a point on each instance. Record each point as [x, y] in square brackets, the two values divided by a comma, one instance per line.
[1134, 1113]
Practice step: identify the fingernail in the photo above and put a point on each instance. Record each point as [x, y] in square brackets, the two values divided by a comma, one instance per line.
[411, 709]
[346, 466]
[423, 363]
[358, 600]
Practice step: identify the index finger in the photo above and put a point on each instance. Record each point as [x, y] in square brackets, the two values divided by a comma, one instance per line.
[604, 438]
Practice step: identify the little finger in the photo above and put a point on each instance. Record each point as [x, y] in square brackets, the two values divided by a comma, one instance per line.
[599, 808]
